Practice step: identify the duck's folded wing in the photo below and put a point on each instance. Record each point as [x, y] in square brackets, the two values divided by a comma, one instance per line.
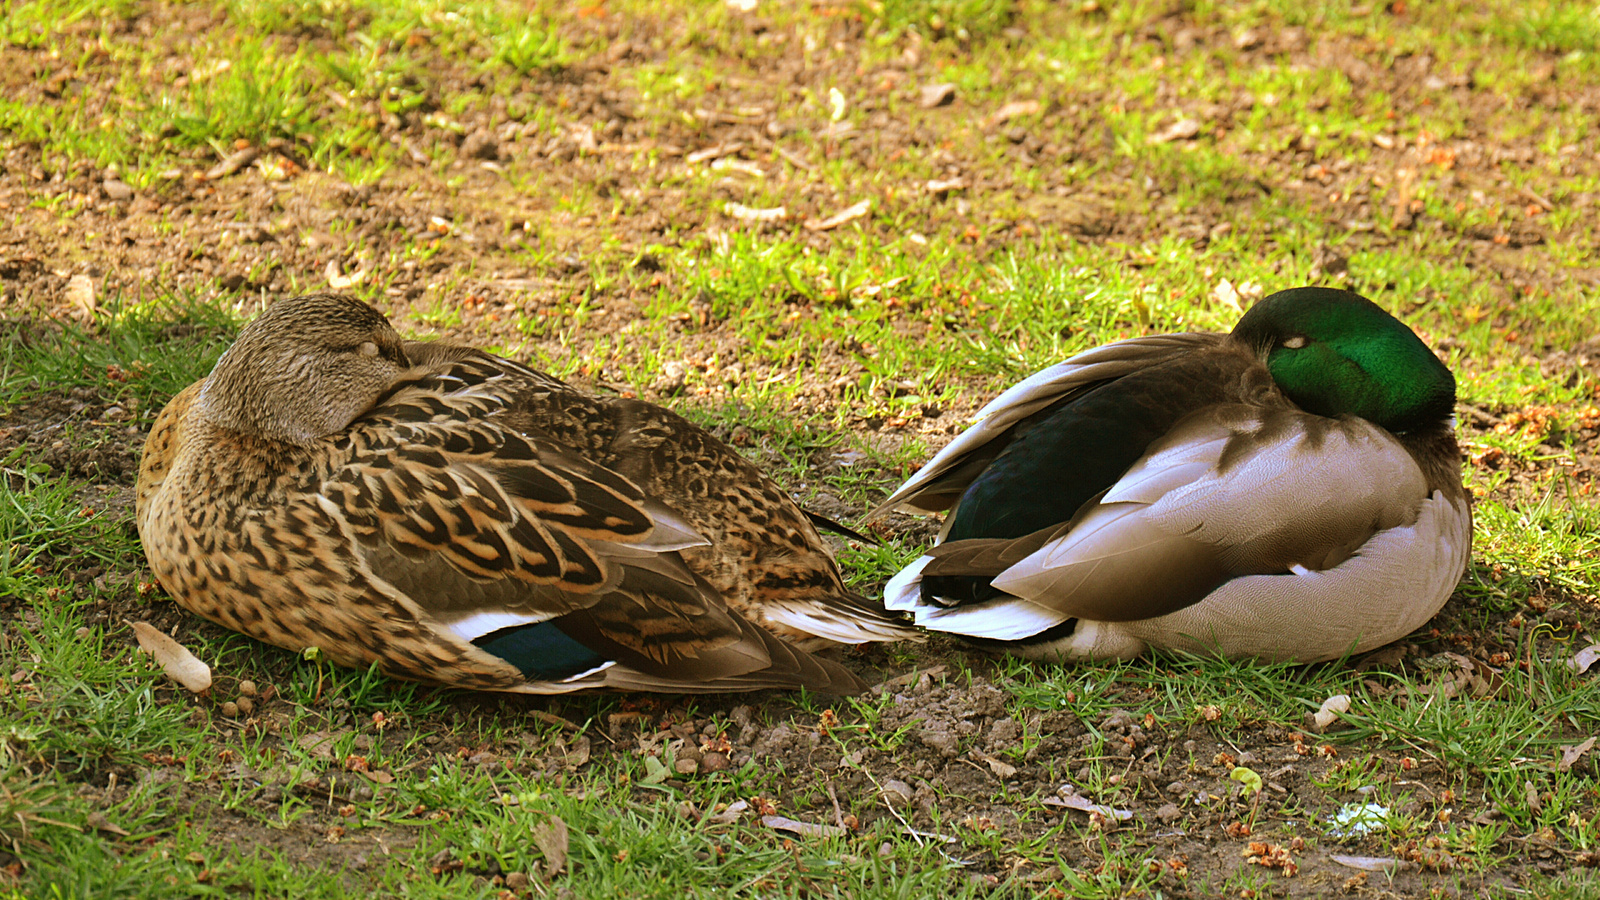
[494, 504]
[666, 638]
[1229, 493]
[550, 562]
[940, 482]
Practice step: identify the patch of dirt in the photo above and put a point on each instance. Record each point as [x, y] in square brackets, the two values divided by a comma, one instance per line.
[78, 433]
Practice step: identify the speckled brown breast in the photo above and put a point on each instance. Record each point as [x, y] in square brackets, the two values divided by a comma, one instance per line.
[250, 548]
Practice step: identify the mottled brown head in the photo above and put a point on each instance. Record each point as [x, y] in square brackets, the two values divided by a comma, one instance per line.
[303, 369]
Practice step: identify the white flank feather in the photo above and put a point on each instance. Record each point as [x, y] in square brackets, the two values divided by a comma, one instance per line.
[1010, 619]
[903, 593]
[470, 628]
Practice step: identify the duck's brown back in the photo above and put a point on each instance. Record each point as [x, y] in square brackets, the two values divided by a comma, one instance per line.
[764, 556]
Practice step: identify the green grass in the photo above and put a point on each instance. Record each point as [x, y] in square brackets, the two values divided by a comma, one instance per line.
[836, 358]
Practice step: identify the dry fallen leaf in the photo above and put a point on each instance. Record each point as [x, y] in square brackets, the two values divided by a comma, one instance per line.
[1583, 659]
[551, 837]
[804, 829]
[80, 295]
[578, 755]
[731, 814]
[936, 95]
[1325, 717]
[1571, 755]
[1013, 110]
[911, 677]
[1001, 769]
[99, 822]
[700, 156]
[1181, 130]
[1366, 863]
[343, 282]
[849, 214]
[732, 164]
[750, 214]
[175, 659]
[1070, 799]
[319, 744]
[1225, 294]
[235, 161]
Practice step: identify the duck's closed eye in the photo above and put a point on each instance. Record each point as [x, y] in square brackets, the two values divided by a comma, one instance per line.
[367, 348]
[1295, 343]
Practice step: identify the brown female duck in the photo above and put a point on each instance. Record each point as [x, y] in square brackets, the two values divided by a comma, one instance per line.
[464, 520]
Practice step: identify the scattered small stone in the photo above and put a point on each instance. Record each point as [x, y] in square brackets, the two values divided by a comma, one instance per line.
[1004, 733]
[940, 740]
[247, 689]
[936, 95]
[1013, 110]
[686, 767]
[246, 705]
[481, 144]
[232, 163]
[1118, 720]
[713, 762]
[1168, 813]
[1181, 130]
[672, 378]
[117, 190]
[517, 881]
[897, 791]
[230, 709]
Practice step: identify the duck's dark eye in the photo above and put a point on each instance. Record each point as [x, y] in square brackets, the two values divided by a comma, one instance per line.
[1294, 343]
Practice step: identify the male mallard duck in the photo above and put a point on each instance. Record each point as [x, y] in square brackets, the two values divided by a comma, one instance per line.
[464, 520]
[1289, 491]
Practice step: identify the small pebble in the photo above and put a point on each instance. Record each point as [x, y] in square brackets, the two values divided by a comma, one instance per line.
[247, 688]
[713, 762]
[230, 709]
[246, 705]
[481, 144]
[518, 881]
[897, 791]
[935, 95]
[686, 766]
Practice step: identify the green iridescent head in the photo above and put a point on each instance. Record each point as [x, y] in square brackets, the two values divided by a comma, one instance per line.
[1335, 352]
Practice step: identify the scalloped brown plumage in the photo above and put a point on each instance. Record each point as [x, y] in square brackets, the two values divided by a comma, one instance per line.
[464, 520]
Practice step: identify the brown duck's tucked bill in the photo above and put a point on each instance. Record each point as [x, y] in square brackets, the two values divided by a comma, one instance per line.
[460, 519]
